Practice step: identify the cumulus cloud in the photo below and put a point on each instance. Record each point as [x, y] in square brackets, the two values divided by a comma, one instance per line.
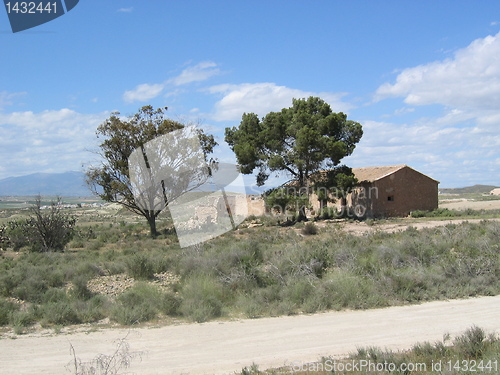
[469, 80]
[143, 92]
[455, 154]
[48, 141]
[461, 146]
[262, 98]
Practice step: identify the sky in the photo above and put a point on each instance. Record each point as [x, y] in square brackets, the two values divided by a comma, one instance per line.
[422, 77]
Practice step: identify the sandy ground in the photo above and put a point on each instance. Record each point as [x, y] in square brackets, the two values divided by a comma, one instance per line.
[463, 204]
[227, 346]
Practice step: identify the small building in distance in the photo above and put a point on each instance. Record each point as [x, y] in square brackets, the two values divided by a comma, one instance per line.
[392, 191]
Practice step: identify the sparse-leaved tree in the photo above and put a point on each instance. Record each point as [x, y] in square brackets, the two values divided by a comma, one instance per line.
[121, 137]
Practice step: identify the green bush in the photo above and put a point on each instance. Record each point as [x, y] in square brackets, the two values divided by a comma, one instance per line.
[342, 289]
[80, 289]
[140, 266]
[202, 298]
[6, 310]
[473, 343]
[21, 320]
[328, 213]
[61, 312]
[137, 305]
[45, 230]
[419, 213]
[91, 310]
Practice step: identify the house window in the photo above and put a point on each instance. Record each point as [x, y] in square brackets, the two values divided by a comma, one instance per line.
[390, 198]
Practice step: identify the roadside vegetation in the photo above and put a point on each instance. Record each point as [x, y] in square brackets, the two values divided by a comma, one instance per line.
[473, 352]
[254, 272]
[447, 213]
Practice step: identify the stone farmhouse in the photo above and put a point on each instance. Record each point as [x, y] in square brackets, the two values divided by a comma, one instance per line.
[391, 191]
[388, 191]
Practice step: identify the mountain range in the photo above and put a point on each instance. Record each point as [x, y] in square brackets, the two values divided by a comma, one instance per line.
[67, 184]
[476, 189]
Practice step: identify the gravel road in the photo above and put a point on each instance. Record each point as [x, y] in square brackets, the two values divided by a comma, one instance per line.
[223, 347]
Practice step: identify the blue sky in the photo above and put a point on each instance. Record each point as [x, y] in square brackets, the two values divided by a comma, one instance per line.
[422, 77]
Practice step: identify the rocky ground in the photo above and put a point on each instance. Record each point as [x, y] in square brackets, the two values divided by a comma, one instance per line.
[116, 284]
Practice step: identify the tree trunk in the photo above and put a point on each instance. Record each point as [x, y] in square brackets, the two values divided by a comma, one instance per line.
[302, 214]
[343, 207]
[152, 224]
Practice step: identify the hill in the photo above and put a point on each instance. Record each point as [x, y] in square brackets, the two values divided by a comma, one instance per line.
[476, 189]
[67, 184]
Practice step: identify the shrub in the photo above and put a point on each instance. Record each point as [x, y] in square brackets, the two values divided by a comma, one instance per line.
[419, 213]
[310, 229]
[44, 230]
[342, 289]
[21, 320]
[140, 267]
[137, 305]
[91, 310]
[6, 309]
[472, 344]
[329, 213]
[59, 313]
[203, 298]
[80, 289]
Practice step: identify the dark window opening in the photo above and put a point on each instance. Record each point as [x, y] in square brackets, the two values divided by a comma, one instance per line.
[390, 198]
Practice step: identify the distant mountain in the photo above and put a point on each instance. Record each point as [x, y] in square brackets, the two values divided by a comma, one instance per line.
[68, 184]
[476, 189]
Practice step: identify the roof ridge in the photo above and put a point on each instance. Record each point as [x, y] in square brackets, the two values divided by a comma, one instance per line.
[388, 170]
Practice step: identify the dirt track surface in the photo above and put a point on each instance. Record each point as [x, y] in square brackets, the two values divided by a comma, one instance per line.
[225, 347]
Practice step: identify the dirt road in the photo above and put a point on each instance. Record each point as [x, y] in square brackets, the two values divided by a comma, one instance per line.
[225, 347]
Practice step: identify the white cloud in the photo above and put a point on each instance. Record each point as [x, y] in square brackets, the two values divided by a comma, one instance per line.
[6, 98]
[456, 155]
[125, 10]
[197, 73]
[262, 98]
[48, 141]
[469, 80]
[143, 92]
[461, 146]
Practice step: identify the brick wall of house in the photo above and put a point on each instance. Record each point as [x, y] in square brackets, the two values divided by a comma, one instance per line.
[400, 193]
[397, 194]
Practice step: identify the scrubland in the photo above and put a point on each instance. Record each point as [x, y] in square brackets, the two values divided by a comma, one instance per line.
[265, 270]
